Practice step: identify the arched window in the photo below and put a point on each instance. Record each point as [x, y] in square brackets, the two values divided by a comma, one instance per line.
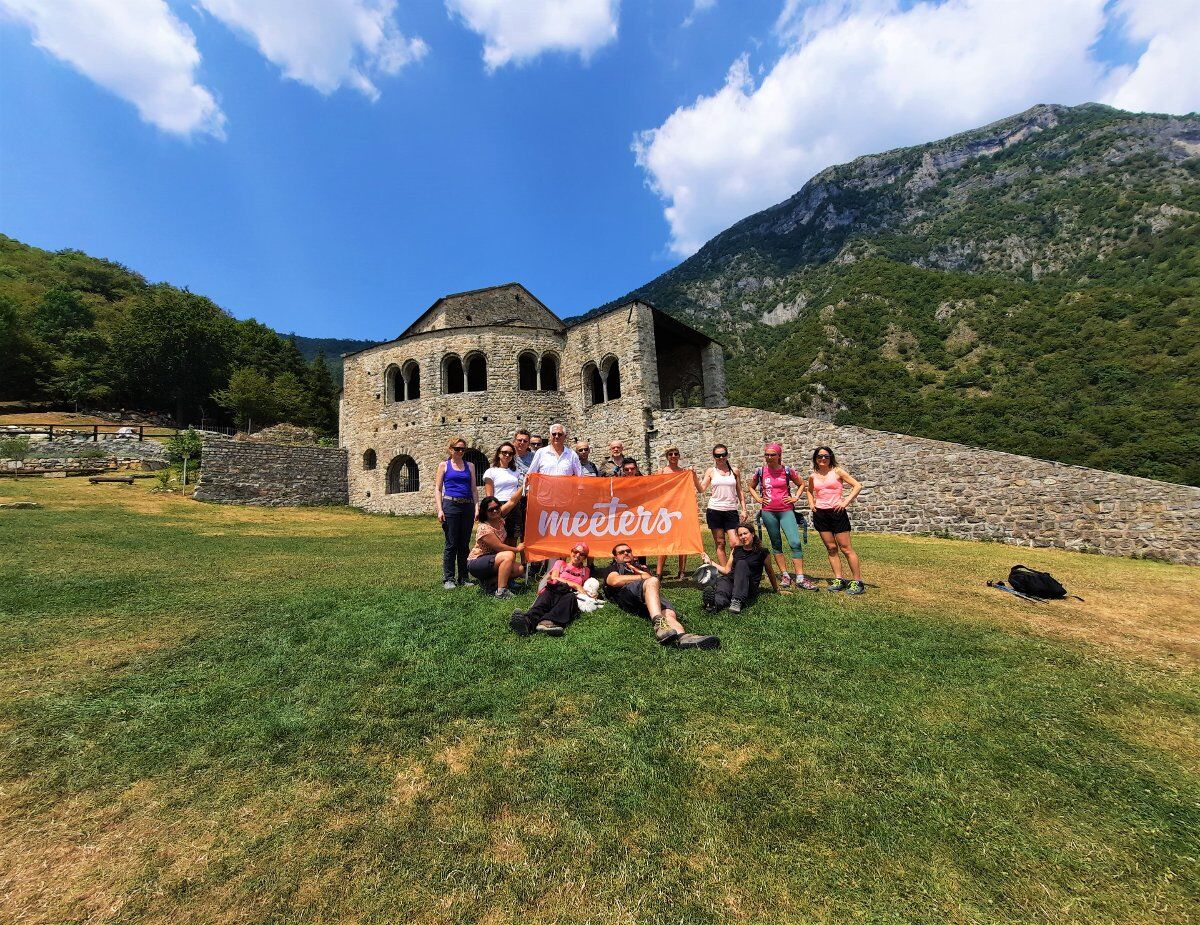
[548, 381]
[369, 459]
[476, 373]
[527, 374]
[453, 380]
[480, 461]
[402, 475]
[393, 387]
[612, 379]
[411, 374]
[593, 385]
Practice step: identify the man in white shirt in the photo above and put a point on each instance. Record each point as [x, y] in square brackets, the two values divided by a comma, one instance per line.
[557, 458]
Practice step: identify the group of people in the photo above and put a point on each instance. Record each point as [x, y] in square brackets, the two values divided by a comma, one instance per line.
[496, 557]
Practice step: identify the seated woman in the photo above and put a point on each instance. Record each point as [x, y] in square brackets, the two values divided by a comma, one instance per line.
[741, 574]
[556, 605]
[491, 559]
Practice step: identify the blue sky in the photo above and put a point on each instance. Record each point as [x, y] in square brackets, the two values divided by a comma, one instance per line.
[331, 167]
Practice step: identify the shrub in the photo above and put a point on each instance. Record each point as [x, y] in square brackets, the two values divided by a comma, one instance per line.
[14, 448]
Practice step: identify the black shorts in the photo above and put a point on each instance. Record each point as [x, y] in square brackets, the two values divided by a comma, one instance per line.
[721, 520]
[830, 521]
[482, 567]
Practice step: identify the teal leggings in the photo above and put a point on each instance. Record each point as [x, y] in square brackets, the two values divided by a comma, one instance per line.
[774, 521]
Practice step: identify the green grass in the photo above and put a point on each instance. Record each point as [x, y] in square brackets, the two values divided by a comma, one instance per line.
[212, 714]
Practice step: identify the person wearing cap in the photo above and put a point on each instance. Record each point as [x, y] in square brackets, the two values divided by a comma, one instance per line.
[637, 591]
[741, 574]
[556, 606]
[771, 486]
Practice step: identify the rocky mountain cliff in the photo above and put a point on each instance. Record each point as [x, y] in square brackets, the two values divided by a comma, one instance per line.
[1031, 286]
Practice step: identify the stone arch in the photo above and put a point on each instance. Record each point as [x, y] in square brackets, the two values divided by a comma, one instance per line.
[548, 372]
[393, 385]
[527, 371]
[476, 372]
[403, 475]
[410, 373]
[369, 461]
[593, 385]
[481, 464]
[453, 378]
[610, 369]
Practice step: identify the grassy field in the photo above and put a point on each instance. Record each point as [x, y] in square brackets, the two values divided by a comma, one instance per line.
[215, 714]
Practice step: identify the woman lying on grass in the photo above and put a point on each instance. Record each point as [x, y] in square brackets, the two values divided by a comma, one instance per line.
[741, 575]
[491, 558]
[557, 605]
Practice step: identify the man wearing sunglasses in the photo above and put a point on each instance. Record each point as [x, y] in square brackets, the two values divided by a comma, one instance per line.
[637, 591]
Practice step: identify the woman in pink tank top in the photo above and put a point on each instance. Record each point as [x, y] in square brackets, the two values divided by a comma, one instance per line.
[827, 500]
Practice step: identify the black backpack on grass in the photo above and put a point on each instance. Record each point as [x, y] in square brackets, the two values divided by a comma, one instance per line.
[1035, 584]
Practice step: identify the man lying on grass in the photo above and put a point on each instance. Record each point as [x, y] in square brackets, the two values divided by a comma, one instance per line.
[636, 590]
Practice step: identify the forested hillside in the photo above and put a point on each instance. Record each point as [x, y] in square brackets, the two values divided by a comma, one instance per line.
[89, 332]
[1030, 286]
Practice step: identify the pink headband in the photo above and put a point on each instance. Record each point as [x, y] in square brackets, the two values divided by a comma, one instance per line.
[774, 448]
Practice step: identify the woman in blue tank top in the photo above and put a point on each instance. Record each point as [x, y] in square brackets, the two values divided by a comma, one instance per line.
[454, 491]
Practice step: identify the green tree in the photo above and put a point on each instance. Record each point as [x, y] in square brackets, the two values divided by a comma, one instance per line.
[184, 447]
[250, 396]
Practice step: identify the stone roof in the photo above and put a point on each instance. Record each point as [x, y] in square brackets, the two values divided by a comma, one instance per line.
[509, 304]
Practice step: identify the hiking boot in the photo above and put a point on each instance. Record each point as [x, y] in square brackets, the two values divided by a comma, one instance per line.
[518, 623]
[856, 587]
[785, 580]
[549, 628]
[735, 606]
[663, 632]
[835, 585]
[503, 593]
[449, 584]
[697, 641]
[808, 585]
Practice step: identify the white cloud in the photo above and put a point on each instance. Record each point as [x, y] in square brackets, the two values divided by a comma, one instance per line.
[698, 7]
[1166, 77]
[135, 48]
[325, 44]
[861, 77]
[516, 31]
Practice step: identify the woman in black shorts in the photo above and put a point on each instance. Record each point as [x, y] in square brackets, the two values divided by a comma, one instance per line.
[827, 499]
[727, 503]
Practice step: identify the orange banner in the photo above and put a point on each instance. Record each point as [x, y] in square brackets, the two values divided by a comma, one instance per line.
[655, 514]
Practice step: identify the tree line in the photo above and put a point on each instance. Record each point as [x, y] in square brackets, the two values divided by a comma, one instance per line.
[93, 334]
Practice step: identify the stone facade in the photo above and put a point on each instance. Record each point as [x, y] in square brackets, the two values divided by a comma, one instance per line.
[912, 485]
[380, 424]
[242, 472]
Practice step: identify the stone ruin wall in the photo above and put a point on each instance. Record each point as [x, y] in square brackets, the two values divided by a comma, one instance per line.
[916, 485]
[270, 475]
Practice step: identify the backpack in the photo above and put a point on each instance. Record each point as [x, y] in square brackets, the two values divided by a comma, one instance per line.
[1035, 584]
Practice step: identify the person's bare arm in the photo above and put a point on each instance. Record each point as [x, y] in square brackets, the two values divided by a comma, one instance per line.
[741, 492]
[810, 493]
[617, 580]
[855, 487]
[774, 579]
[437, 490]
[492, 543]
[474, 489]
[706, 481]
[723, 569]
[752, 489]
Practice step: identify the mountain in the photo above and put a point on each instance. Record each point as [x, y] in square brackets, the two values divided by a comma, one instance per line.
[1030, 286]
[331, 347]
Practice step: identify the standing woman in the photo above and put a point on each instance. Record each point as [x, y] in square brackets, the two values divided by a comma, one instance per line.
[727, 503]
[454, 491]
[672, 456]
[825, 490]
[775, 480]
[502, 481]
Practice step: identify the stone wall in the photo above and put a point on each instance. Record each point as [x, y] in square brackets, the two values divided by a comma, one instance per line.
[914, 485]
[241, 472]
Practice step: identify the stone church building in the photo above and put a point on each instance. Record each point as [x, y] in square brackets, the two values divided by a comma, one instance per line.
[481, 364]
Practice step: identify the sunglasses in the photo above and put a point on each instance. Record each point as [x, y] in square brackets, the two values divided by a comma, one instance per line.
[823, 456]
[506, 452]
[622, 552]
[672, 454]
[720, 455]
[494, 507]
[458, 449]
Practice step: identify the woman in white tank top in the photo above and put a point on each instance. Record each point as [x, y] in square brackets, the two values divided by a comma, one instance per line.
[726, 503]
